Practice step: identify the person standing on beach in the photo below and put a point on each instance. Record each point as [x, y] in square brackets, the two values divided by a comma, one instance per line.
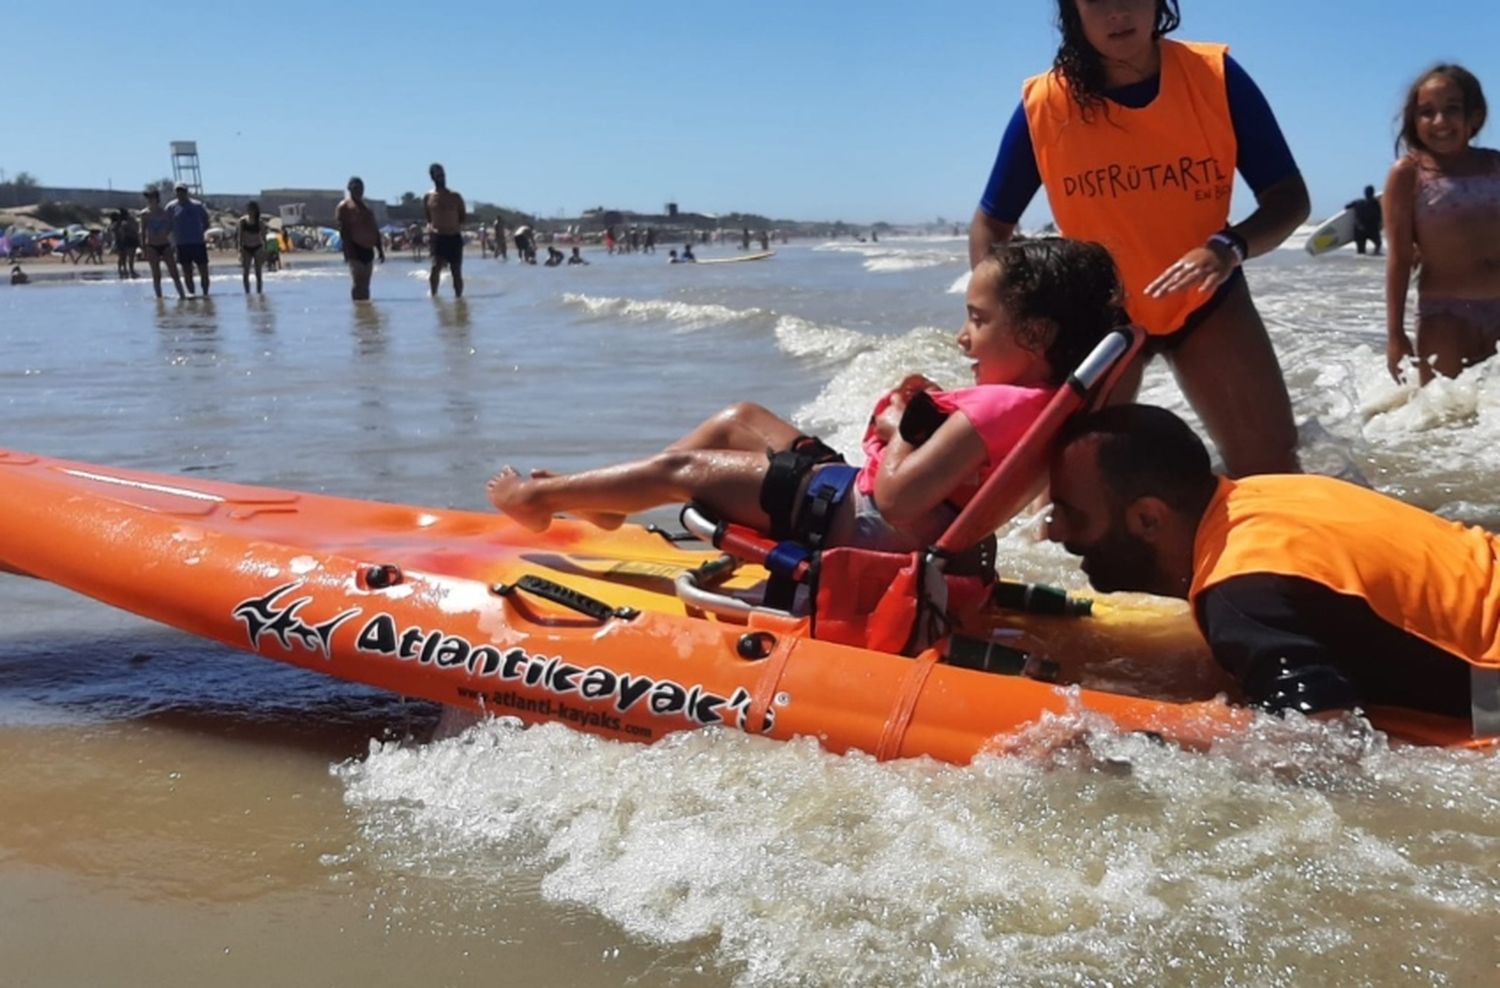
[189, 232]
[127, 240]
[502, 251]
[1441, 205]
[445, 222]
[252, 230]
[361, 238]
[1136, 139]
[156, 229]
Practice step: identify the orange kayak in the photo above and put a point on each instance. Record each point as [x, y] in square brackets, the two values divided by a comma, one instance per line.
[575, 625]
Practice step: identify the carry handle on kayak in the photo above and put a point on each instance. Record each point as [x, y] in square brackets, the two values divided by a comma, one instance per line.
[567, 597]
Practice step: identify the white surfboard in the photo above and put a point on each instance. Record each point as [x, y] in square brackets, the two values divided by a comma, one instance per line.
[1332, 234]
[735, 260]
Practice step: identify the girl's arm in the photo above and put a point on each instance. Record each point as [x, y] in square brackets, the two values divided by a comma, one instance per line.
[1400, 246]
[914, 480]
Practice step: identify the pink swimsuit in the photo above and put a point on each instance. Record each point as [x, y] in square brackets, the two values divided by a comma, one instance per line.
[1001, 414]
[1449, 195]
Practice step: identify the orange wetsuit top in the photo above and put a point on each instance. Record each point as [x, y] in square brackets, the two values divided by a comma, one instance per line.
[1150, 183]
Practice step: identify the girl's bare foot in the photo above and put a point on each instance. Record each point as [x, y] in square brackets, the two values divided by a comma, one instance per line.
[608, 520]
[509, 492]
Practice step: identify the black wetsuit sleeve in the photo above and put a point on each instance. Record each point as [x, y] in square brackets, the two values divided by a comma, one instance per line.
[1259, 629]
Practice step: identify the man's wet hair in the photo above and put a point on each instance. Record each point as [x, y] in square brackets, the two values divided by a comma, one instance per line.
[1145, 451]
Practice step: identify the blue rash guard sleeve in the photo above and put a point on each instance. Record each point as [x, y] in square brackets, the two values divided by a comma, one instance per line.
[1015, 177]
[1263, 156]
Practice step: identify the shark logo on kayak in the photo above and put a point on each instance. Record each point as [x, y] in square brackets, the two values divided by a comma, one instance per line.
[275, 616]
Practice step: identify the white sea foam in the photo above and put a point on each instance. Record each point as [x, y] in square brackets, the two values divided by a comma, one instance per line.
[802, 338]
[894, 262]
[841, 409]
[686, 315]
[1091, 852]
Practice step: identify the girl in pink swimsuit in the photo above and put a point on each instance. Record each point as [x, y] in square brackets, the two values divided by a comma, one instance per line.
[1035, 309]
[1442, 206]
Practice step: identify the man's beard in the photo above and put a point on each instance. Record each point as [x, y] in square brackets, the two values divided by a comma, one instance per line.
[1120, 561]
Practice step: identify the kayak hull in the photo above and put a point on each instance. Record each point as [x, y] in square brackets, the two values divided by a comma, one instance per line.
[470, 610]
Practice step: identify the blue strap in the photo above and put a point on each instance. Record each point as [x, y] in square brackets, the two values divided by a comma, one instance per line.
[786, 557]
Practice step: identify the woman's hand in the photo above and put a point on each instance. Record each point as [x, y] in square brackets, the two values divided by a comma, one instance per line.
[1398, 351]
[1204, 268]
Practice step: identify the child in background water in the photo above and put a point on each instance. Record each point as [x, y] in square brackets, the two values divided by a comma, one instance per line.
[1035, 310]
[1442, 206]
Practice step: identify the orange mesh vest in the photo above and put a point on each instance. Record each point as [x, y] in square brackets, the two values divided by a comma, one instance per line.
[1432, 578]
[1149, 184]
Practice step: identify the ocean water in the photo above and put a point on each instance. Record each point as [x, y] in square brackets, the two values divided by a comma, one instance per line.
[179, 813]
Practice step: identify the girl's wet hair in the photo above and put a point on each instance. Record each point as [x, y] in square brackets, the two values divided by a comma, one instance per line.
[1066, 289]
[1080, 64]
[1468, 85]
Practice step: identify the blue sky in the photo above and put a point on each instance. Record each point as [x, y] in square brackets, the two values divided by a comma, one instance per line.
[884, 109]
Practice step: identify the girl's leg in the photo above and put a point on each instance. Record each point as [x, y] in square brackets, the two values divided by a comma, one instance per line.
[742, 426]
[726, 481]
[1448, 343]
[155, 263]
[245, 270]
[1230, 375]
[258, 264]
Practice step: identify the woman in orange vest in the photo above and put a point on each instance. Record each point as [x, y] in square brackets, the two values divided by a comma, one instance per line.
[1136, 139]
[1315, 593]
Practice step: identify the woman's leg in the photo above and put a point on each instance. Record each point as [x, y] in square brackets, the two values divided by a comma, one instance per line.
[169, 258]
[258, 264]
[245, 269]
[155, 263]
[1229, 372]
[728, 482]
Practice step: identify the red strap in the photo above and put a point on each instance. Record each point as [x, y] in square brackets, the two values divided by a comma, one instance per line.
[896, 724]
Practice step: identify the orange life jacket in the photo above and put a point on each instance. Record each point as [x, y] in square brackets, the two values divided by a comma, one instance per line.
[1150, 183]
[1432, 578]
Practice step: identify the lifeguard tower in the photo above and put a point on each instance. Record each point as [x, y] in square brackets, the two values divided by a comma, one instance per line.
[185, 167]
